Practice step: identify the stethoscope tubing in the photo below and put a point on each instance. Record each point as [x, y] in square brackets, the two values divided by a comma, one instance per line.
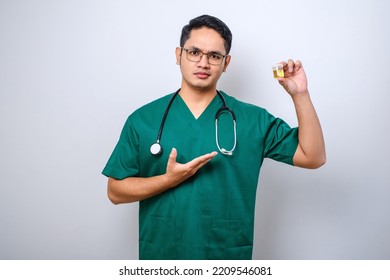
[156, 148]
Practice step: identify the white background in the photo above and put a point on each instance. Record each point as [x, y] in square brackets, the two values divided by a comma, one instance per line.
[72, 71]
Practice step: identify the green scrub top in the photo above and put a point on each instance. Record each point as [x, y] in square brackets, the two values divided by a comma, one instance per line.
[211, 215]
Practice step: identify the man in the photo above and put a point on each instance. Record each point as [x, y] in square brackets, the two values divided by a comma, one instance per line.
[196, 203]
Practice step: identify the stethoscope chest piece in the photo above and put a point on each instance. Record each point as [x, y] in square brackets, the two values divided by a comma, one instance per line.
[156, 149]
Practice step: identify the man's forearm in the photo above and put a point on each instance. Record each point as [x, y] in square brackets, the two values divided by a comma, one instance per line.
[311, 148]
[135, 189]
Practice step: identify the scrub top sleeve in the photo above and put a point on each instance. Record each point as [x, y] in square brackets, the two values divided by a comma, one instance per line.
[123, 161]
[281, 141]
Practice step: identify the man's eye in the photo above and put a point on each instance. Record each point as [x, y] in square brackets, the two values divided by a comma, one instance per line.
[215, 56]
[195, 53]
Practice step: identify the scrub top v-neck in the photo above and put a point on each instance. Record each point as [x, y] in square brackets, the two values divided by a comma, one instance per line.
[210, 215]
[194, 136]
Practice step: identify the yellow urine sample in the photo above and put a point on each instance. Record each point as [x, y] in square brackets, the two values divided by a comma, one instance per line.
[278, 71]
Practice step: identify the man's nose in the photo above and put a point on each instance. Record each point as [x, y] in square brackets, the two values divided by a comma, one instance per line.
[204, 61]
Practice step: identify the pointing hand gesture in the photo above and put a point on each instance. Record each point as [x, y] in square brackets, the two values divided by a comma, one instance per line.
[178, 172]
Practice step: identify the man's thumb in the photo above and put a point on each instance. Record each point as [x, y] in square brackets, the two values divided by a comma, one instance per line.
[173, 155]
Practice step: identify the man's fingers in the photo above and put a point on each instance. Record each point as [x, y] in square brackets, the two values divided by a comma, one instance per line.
[179, 172]
[202, 160]
[196, 163]
[297, 65]
[291, 66]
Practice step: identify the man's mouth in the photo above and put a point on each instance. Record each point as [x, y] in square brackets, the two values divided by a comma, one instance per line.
[202, 75]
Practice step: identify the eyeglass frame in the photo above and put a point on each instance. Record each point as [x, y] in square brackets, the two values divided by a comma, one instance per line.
[207, 55]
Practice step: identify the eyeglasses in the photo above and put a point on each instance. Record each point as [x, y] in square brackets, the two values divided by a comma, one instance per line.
[196, 56]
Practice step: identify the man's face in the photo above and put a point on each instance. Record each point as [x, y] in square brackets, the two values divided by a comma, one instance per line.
[202, 75]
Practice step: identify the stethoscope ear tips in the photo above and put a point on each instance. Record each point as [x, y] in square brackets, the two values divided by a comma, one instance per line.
[156, 149]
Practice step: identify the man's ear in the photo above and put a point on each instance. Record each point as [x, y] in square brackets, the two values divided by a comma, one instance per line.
[178, 52]
[227, 61]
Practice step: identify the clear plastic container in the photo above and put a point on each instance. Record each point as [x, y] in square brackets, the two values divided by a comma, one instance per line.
[278, 70]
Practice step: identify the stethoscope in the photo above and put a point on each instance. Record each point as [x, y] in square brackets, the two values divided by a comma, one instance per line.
[156, 148]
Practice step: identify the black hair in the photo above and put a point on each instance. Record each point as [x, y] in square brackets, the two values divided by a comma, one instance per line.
[209, 22]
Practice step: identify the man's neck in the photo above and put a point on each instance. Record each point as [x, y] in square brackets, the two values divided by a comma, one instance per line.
[197, 100]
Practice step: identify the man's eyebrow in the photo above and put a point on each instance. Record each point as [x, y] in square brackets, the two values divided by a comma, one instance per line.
[193, 48]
